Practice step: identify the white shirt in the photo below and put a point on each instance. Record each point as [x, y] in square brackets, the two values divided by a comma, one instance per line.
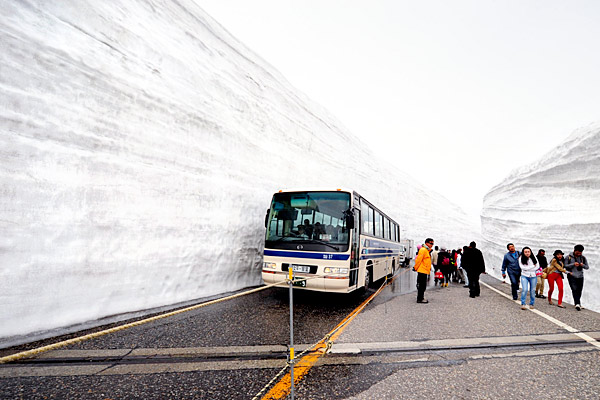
[528, 269]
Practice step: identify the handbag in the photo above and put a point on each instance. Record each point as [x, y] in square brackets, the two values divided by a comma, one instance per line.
[539, 272]
[439, 275]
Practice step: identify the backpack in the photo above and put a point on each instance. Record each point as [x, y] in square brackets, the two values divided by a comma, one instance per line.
[446, 261]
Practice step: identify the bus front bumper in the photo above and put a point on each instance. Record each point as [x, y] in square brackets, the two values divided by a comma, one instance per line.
[332, 283]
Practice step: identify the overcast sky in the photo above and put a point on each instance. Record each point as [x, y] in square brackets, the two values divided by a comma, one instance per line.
[456, 93]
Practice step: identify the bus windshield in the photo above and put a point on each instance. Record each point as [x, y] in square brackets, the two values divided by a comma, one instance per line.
[314, 219]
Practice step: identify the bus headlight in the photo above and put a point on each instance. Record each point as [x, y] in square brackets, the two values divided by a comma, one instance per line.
[336, 270]
[269, 265]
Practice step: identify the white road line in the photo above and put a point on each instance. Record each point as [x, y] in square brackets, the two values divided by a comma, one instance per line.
[569, 328]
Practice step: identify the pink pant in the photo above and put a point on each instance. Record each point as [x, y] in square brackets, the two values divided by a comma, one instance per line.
[559, 282]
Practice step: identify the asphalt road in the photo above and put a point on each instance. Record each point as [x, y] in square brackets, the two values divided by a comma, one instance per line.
[453, 347]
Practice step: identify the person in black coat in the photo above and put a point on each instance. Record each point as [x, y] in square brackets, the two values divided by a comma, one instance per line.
[474, 264]
[445, 264]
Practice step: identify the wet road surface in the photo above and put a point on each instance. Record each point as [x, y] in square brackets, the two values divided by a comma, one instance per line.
[227, 350]
[455, 347]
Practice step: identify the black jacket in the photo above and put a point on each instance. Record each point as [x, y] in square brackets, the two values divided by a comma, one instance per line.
[473, 262]
[543, 261]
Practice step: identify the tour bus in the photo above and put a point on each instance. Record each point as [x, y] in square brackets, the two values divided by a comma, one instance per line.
[336, 239]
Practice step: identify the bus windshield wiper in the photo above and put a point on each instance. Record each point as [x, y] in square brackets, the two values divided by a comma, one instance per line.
[322, 242]
[282, 239]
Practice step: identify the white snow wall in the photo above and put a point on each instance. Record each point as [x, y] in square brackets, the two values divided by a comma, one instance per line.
[140, 144]
[552, 203]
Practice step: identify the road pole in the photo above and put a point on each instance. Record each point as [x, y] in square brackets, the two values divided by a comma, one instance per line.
[291, 280]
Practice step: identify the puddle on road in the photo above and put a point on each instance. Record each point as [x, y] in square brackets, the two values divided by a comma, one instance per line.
[406, 282]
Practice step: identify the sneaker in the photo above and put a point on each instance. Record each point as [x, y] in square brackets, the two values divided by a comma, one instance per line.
[537, 296]
[531, 307]
[542, 296]
[577, 307]
[466, 286]
[424, 301]
[523, 307]
[560, 305]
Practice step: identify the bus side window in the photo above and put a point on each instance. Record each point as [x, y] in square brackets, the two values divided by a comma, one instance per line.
[364, 216]
[378, 224]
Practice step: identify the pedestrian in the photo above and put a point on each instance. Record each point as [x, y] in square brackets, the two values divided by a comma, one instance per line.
[466, 285]
[539, 287]
[554, 273]
[438, 275]
[453, 264]
[444, 265]
[423, 268]
[474, 264]
[459, 269]
[434, 256]
[529, 266]
[510, 265]
[575, 263]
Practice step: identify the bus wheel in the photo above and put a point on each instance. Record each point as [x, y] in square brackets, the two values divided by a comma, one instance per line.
[367, 278]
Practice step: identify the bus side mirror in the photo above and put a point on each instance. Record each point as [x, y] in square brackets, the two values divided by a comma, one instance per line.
[349, 217]
[267, 218]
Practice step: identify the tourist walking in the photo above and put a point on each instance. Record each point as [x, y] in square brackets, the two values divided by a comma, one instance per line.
[466, 285]
[554, 273]
[539, 288]
[434, 256]
[529, 266]
[423, 268]
[474, 264]
[459, 269]
[444, 264]
[575, 263]
[510, 265]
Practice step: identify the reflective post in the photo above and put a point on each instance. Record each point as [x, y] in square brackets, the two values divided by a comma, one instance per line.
[291, 280]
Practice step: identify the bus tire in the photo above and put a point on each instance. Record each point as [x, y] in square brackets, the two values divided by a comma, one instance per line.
[368, 277]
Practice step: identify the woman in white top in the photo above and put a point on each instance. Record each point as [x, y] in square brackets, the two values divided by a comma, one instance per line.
[529, 266]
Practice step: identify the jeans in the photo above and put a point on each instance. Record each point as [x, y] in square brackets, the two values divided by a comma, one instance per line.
[531, 281]
[576, 288]
[514, 283]
[421, 285]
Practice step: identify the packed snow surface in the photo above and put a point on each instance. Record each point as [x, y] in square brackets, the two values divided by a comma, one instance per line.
[552, 203]
[140, 144]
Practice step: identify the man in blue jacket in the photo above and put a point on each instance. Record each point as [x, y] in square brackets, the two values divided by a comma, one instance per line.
[510, 264]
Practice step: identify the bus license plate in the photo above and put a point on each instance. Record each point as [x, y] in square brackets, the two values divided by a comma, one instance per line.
[301, 268]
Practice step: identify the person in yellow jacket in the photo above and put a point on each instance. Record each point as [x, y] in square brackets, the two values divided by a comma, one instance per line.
[423, 268]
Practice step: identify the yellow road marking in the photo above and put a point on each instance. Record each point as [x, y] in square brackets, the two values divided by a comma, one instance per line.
[32, 352]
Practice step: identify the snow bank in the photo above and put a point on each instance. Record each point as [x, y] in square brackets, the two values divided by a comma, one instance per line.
[140, 144]
[552, 204]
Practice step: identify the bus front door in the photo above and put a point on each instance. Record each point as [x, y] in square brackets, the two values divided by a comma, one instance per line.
[355, 253]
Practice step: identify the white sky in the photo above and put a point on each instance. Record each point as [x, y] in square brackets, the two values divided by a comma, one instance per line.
[457, 93]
